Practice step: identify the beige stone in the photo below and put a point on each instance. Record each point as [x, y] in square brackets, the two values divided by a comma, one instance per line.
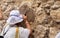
[36, 13]
[55, 14]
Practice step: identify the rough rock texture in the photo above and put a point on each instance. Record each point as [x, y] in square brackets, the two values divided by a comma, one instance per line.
[43, 15]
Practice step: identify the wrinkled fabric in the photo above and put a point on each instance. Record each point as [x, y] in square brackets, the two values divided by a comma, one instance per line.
[58, 35]
[15, 17]
[15, 13]
[13, 20]
[23, 32]
[5, 28]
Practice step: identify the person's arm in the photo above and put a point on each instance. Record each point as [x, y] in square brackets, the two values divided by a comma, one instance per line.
[27, 23]
[0, 13]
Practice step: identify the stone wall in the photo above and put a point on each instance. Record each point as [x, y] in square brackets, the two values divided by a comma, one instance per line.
[43, 15]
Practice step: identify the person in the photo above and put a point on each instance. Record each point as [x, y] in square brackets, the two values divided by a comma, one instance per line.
[58, 35]
[13, 28]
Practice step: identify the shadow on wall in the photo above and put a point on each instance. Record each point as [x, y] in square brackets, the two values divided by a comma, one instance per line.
[31, 36]
[29, 12]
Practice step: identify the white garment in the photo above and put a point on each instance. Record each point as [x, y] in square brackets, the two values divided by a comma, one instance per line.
[15, 17]
[23, 32]
[58, 35]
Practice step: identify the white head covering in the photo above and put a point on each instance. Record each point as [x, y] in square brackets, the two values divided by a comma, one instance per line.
[58, 35]
[15, 17]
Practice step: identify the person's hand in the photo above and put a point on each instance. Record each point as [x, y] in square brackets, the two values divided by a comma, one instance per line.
[25, 18]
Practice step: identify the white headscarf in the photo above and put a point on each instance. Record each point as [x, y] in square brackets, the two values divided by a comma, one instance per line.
[15, 17]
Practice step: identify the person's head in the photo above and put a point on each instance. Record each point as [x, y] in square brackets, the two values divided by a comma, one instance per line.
[15, 17]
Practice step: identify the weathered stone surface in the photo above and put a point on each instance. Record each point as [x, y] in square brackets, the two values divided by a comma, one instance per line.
[40, 31]
[53, 32]
[55, 14]
[40, 15]
[56, 5]
[43, 15]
